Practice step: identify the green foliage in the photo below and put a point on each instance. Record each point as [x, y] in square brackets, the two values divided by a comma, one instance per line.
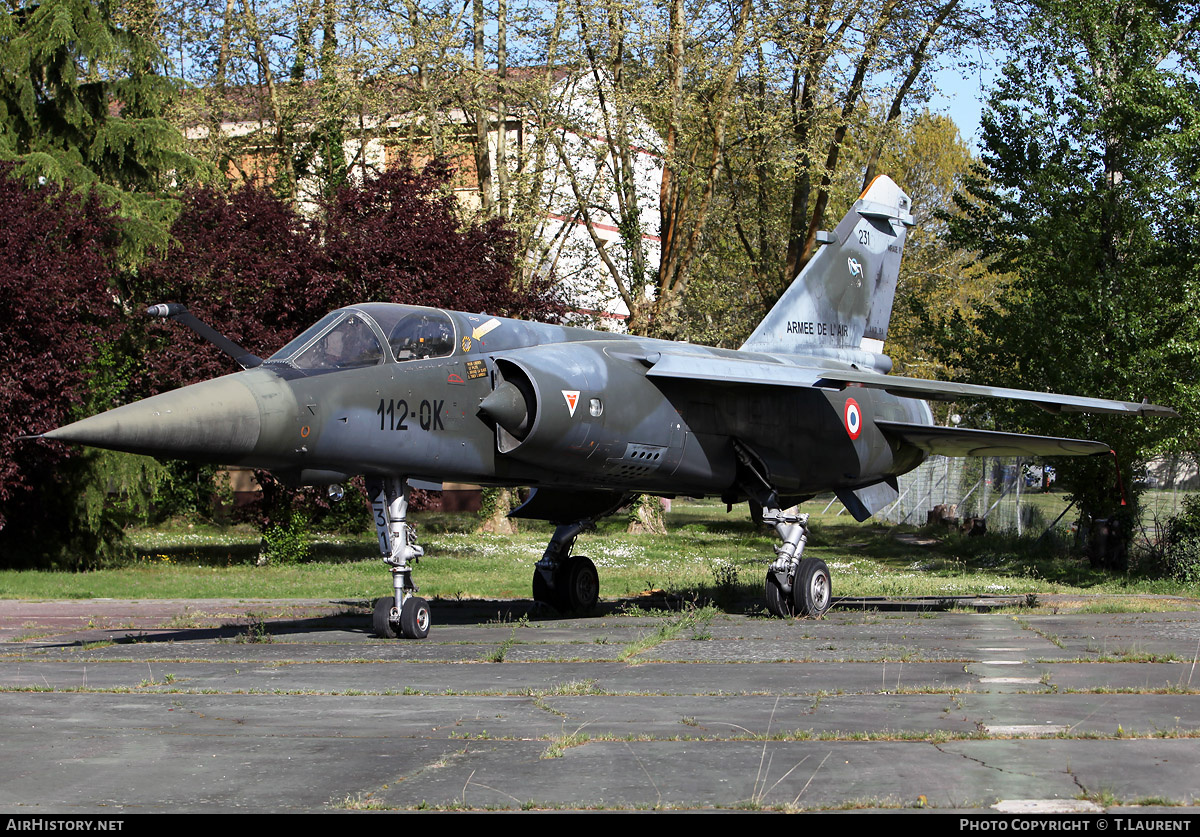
[57, 255]
[492, 502]
[645, 514]
[124, 487]
[184, 489]
[351, 515]
[82, 103]
[288, 541]
[495, 503]
[82, 106]
[1087, 201]
[1181, 553]
[725, 574]
[77, 517]
[214, 562]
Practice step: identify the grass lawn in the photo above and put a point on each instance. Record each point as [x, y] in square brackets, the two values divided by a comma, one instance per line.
[706, 553]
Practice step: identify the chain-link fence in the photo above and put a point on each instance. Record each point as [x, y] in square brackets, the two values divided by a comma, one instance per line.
[1165, 482]
[1020, 495]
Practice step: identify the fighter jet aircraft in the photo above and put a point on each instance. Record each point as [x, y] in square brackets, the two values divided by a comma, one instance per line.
[591, 419]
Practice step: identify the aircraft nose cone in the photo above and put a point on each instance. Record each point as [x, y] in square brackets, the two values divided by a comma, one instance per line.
[216, 421]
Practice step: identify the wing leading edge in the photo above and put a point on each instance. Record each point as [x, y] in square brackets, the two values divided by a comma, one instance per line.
[945, 391]
[774, 372]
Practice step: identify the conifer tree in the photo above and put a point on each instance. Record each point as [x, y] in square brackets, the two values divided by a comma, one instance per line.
[82, 102]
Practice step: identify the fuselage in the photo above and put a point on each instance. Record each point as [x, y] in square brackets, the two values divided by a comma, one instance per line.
[381, 389]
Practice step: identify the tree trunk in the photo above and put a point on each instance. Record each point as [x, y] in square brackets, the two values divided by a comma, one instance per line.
[497, 503]
[483, 162]
[646, 515]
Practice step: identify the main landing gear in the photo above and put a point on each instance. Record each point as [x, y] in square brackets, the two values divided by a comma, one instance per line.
[398, 545]
[795, 586]
[566, 582]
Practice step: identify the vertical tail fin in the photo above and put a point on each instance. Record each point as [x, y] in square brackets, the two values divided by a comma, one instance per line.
[841, 303]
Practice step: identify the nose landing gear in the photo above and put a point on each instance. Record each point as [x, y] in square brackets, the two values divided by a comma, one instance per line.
[398, 546]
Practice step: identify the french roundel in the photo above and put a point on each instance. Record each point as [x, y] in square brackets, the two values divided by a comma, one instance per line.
[853, 418]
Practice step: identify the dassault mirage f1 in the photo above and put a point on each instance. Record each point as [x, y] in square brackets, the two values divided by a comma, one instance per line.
[590, 420]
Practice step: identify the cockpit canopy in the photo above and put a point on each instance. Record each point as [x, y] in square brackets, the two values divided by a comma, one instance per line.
[355, 337]
[421, 334]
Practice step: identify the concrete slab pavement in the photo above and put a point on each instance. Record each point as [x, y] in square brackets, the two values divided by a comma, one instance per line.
[170, 706]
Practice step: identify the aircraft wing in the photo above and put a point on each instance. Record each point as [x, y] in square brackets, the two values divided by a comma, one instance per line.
[959, 441]
[765, 373]
[944, 391]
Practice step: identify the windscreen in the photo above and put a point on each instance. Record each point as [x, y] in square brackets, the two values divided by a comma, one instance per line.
[305, 338]
[341, 340]
[348, 345]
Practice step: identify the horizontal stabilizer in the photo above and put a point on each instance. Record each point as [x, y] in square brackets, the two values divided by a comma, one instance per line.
[944, 391]
[959, 441]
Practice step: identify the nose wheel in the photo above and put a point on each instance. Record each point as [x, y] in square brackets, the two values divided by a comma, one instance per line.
[410, 621]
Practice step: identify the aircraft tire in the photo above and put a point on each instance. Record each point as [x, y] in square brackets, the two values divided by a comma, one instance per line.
[812, 591]
[779, 603]
[414, 618]
[381, 620]
[542, 593]
[579, 584]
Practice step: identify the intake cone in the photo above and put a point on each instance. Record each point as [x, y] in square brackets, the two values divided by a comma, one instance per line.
[507, 407]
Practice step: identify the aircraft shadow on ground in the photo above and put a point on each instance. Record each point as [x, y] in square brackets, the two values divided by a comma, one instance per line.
[356, 619]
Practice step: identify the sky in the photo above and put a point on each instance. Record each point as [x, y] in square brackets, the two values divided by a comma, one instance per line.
[962, 99]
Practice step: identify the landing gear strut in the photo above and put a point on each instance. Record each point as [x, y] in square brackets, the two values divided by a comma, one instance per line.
[568, 583]
[795, 586]
[398, 546]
